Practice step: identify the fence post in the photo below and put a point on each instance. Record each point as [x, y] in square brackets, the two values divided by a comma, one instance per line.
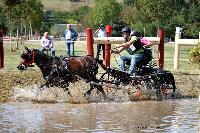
[1, 49]
[161, 49]
[199, 37]
[108, 46]
[89, 41]
[177, 47]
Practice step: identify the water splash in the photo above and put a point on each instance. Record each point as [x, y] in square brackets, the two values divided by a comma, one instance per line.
[57, 95]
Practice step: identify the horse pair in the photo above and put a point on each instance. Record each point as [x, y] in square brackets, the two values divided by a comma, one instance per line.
[60, 71]
[64, 70]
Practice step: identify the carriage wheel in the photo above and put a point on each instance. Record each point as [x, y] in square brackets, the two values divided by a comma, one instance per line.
[147, 88]
[163, 91]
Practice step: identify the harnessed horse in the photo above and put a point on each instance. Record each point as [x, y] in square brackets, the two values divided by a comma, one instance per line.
[62, 71]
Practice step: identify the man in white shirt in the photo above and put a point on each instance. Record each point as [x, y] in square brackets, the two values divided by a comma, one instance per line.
[101, 33]
[47, 44]
[70, 36]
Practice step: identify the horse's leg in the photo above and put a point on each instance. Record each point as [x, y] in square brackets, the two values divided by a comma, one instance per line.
[173, 82]
[45, 84]
[89, 91]
[42, 85]
[67, 90]
[100, 88]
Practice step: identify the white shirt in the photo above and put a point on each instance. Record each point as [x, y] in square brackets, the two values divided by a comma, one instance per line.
[69, 35]
[102, 33]
[46, 42]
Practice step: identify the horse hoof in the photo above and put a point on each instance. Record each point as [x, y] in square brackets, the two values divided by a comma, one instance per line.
[87, 94]
[65, 89]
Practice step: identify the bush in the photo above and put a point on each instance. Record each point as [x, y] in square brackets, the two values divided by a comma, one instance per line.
[195, 55]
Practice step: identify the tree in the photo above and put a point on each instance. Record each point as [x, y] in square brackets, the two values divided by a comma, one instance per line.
[105, 12]
[31, 14]
[9, 6]
[129, 2]
[151, 15]
[192, 21]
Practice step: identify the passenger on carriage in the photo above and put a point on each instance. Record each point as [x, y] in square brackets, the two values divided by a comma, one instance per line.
[135, 48]
[47, 44]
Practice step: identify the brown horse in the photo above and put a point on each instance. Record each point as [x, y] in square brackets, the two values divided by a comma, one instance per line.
[62, 71]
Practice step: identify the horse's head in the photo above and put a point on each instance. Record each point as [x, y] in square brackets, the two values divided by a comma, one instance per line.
[28, 59]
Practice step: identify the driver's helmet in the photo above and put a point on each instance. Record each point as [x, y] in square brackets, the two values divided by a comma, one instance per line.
[126, 29]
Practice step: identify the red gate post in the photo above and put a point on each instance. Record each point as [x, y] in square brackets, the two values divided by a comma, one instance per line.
[108, 46]
[90, 41]
[1, 49]
[161, 49]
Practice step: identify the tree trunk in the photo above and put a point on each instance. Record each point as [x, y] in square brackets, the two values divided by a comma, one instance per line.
[31, 31]
[10, 30]
[21, 30]
[25, 32]
[17, 45]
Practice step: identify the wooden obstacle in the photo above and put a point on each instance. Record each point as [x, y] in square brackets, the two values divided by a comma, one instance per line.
[119, 40]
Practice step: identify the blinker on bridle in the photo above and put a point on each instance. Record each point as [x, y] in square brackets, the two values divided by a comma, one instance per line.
[31, 61]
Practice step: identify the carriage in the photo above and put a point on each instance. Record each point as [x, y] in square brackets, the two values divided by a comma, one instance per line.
[60, 71]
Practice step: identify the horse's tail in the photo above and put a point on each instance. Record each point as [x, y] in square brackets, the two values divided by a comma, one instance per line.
[100, 62]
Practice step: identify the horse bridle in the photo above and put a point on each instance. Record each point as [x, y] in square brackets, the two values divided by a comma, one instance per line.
[32, 59]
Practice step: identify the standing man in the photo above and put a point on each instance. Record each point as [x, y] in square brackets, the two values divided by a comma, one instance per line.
[47, 44]
[70, 36]
[101, 33]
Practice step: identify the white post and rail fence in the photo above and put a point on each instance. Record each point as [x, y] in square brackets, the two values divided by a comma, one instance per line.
[182, 42]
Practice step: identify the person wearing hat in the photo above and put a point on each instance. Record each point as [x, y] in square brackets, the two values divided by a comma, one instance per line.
[134, 48]
[101, 32]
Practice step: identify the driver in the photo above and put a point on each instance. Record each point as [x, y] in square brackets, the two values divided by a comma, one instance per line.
[134, 48]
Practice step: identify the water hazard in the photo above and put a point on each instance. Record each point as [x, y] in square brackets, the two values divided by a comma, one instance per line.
[181, 115]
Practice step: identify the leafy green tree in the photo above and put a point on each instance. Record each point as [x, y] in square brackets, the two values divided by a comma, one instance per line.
[9, 6]
[192, 21]
[3, 20]
[78, 14]
[129, 2]
[31, 14]
[105, 12]
[151, 15]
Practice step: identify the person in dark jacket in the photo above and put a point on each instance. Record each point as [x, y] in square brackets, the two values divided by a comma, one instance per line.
[70, 36]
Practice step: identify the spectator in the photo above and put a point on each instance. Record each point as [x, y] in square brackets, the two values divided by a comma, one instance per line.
[47, 44]
[70, 36]
[101, 32]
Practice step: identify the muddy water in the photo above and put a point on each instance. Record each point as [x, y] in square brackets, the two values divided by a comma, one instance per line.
[180, 115]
